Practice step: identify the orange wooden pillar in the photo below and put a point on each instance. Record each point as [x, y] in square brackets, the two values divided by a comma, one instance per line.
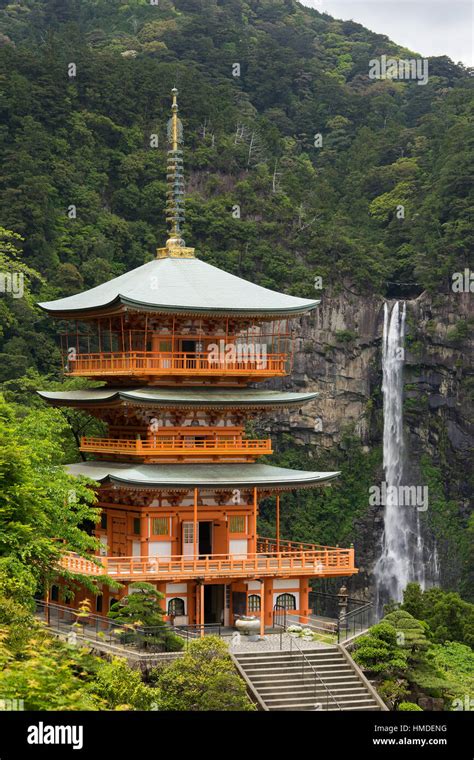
[255, 520]
[268, 602]
[195, 525]
[278, 522]
[201, 607]
[304, 600]
[144, 535]
[155, 343]
[262, 608]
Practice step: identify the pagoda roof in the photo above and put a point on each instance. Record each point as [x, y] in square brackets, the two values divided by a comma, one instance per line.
[177, 397]
[179, 286]
[186, 476]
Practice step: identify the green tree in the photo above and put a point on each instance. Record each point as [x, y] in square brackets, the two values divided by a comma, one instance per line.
[139, 610]
[202, 679]
[411, 633]
[379, 651]
[449, 617]
[43, 510]
[413, 600]
[45, 676]
[141, 606]
[122, 688]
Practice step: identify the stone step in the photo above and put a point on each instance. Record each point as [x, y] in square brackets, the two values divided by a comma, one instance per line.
[294, 665]
[360, 704]
[316, 679]
[320, 653]
[288, 678]
[336, 670]
[291, 708]
[300, 688]
[334, 687]
[327, 659]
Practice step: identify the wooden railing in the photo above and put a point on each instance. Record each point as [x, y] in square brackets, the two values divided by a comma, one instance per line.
[167, 363]
[270, 545]
[322, 562]
[174, 445]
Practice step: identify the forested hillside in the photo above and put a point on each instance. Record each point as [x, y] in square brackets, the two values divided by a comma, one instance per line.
[89, 141]
[297, 165]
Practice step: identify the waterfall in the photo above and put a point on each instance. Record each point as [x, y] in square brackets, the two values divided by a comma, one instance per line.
[402, 552]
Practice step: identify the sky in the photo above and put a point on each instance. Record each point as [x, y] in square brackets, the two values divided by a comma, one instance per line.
[428, 27]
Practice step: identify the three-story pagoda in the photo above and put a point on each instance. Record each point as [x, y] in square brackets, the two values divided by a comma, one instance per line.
[180, 346]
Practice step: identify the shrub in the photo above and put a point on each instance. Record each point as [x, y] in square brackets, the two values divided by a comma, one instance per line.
[379, 652]
[202, 679]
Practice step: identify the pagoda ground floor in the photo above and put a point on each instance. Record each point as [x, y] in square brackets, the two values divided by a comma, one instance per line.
[196, 602]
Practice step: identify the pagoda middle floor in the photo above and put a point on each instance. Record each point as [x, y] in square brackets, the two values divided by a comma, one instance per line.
[191, 530]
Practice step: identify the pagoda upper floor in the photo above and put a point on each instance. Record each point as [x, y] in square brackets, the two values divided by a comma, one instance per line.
[178, 321]
[156, 426]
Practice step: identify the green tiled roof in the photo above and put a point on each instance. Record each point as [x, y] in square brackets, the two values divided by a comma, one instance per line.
[186, 476]
[181, 286]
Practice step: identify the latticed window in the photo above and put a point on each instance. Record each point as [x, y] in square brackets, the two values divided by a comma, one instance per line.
[176, 607]
[287, 601]
[136, 525]
[253, 603]
[160, 526]
[237, 524]
[188, 533]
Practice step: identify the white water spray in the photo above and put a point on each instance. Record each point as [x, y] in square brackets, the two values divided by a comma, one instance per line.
[401, 557]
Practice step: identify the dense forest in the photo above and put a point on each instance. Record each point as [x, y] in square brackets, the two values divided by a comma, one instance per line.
[297, 165]
[83, 182]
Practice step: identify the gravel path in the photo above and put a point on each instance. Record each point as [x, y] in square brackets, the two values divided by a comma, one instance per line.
[238, 643]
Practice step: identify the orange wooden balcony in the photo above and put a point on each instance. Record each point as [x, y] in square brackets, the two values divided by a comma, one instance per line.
[143, 363]
[180, 448]
[323, 562]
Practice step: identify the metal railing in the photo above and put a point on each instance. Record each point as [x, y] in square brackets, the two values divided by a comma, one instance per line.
[280, 621]
[92, 627]
[323, 627]
[193, 631]
[318, 681]
[355, 621]
[325, 604]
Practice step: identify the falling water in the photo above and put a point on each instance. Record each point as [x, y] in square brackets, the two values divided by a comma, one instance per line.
[401, 558]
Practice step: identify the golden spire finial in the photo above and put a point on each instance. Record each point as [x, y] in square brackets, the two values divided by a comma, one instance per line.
[175, 246]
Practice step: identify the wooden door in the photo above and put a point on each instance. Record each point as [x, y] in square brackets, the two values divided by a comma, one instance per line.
[188, 539]
[119, 537]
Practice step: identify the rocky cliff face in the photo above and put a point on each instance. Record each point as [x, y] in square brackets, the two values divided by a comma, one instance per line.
[338, 354]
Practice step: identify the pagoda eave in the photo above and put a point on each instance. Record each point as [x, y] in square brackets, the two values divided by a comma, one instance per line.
[182, 477]
[189, 398]
[125, 306]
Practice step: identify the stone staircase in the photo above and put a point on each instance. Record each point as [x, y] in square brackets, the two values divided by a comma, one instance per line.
[284, 680]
